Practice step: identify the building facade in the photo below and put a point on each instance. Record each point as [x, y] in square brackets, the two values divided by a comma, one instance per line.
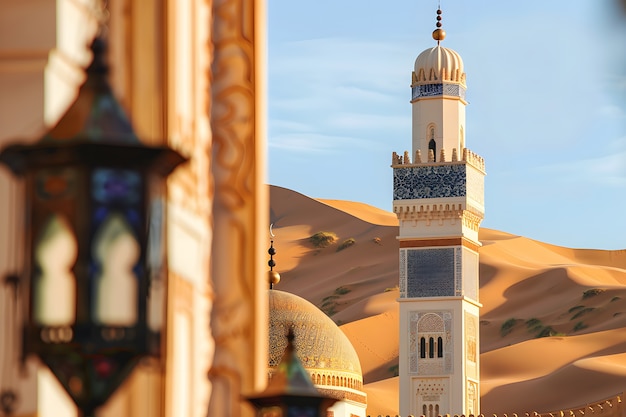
[439, 200]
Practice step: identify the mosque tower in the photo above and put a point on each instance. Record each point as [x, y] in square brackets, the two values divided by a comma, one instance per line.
[439, 200]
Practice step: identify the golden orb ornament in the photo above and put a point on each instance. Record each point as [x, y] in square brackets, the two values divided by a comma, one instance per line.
[439, 34]
[274, 277]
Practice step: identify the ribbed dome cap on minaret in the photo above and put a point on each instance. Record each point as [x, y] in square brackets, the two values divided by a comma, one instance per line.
[439, 64]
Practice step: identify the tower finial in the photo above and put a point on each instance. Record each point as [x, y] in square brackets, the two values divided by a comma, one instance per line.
[274, 277]
[439, 34]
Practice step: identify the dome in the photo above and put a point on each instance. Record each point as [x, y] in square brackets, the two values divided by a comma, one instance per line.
[324, 350]
[439, 64]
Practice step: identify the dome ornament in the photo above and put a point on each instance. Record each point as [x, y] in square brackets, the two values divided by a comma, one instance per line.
[274, 277]
[439, 34]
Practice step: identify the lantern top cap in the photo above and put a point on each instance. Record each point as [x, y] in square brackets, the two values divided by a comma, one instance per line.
[291, 383]
[94, 131]
[95, 115]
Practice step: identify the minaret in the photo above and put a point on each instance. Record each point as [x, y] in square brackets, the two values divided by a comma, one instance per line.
[439, 200]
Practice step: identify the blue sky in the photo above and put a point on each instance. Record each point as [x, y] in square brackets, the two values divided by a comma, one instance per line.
[547, 106]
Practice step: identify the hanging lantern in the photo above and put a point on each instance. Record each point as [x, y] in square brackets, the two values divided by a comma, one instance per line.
[290, 392]
[93, 283]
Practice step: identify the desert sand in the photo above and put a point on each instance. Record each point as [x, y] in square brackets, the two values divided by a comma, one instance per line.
[552, 321]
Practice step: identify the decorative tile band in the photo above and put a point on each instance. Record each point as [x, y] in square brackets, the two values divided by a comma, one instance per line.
[434, 90]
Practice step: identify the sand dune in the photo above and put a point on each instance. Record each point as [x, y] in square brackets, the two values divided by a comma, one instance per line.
[574, 297]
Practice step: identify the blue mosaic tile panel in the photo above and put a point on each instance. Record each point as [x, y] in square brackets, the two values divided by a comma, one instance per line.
[429, 181]
[402, 273]
[430, 272]
[458, 272]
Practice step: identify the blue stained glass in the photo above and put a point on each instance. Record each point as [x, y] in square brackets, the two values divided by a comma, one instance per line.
[133, 217]
[94, 268]
[116, 186]
[100, 214]
[138, 269]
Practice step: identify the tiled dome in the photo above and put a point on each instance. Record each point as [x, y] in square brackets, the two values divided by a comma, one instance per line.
[324, 350]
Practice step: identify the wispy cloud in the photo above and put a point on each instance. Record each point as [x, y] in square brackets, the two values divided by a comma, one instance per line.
[339, 61]
[364, 121]
[324, 92]
[612, 111]
[310, 142]
[608, 170]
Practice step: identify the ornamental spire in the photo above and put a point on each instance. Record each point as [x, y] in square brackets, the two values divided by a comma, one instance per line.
[274, 277]
[439, 34]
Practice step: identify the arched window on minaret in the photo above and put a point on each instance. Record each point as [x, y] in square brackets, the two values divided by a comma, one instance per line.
[422, 347]
[432, 144]
[431, 347]
[439, 347]
[424, 410]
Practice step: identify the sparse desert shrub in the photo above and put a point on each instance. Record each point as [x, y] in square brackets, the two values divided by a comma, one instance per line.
[329, 310]
[581, 312]
[579, 326]
[533, 324]
[507, 326]
[323, 239]
[388, 289]
[377, 240]
[330, 302]
[592, 292]
[394, 370]
[548, 331]
[326, 301]
[616, 298]
[575, 308]
[346, 244]
[342, 290]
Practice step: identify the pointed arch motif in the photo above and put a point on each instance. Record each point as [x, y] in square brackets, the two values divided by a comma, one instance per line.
[117, 250]
[431, 132]
[54, 289]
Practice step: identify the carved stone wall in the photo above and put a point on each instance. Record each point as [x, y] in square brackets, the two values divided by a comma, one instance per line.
[240, 205]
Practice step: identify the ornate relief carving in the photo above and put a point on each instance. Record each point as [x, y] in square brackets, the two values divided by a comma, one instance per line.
[239, 208]
[472, 398]
[427, 366]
